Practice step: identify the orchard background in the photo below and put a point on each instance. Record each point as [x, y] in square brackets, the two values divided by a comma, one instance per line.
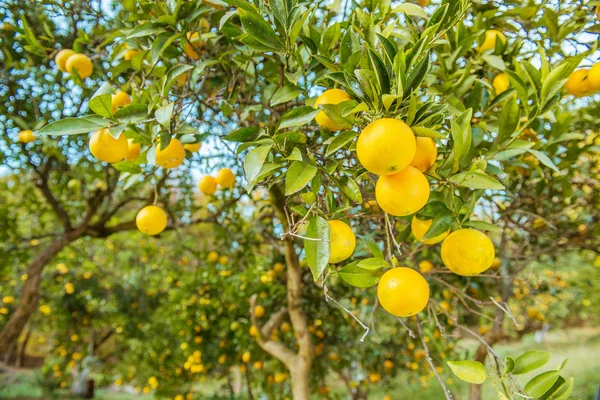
[288, 199]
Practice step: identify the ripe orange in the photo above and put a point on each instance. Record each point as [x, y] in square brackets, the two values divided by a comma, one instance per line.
[594, 77]
[491, 36]
[171, 156]
[151, 220]
[425, 155]
[191, 49]
[106, 148]
[208, 185]
[246, 356]
[425, 266]
[386, 146]
[467, 252]
[331, 96]
[193, 147]
[133, 150]
[61, 59]
[129, 54]
[578, 83]
[80, 63]
[259, 311]
[501, 83]
[26, 136]
[225, 178]
[403, 193]
[182, 79]
[403, 292]
[213, 256]
[119, 99]
[342, 241]
[419, 227]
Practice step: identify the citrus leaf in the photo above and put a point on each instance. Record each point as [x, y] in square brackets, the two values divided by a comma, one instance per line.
[75, 126]
[254, 161]
[340, 141]
[529, 361]
[468, 371]
[316, 246]
[298, 176]
[244, 134]
[298, 116]
[373, 263]
[353, 275]
[541, 383]
[476, 180]
[285, 94]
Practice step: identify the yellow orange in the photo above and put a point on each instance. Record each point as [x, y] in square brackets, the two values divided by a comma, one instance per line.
[491, 36]
[106, 148]
[246, 357]
[402, 193]
[192, 147]
[501, 83]
[81, 64]
[467, 252]
[419, 227]
[191, 49]
[259, 311]
[331, 96]
[594, 77]
[208, 185]
[425, 155]
[578, 84]
[342, 241]
[133, 150]
[26, 136]
[151, 220]
[386, 146]
[425, 266]
[225, 178]
[119, 99]
[129, 54]
[171, 156]
[403, 292]
[61, 59]
[213, 256]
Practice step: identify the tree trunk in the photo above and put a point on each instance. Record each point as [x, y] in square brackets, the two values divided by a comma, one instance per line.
[31, 291]
[300, 375]
[21, 356]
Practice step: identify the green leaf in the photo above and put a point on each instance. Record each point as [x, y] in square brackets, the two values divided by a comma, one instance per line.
[353, 275]
[298, 176]
[416, 76]
[468, 371]
[373, 247]
[540, 384]
[161, 43]
[285, 94]
[296, 155]
[132, 113]
[529, 361]
[509, 120]
[381, 72]
[244, 134]
[75, 126]
[544, 159]
[259, 29]
[483, 226]
[494, 61]
[254, 161]
[461, 134]
[317, 245]
[339, 141]
[298, 116]
[373, 263]
[410, 9]
[146, 29]
[335, 112]
[351, 189]
[553, 81]
[564, 391]
[440, 224]
[509, 365]
[163, 115]
[427, 132]
[476, 180]
[101, 101]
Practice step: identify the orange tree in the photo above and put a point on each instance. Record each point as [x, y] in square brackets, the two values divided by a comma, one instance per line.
[442, 122]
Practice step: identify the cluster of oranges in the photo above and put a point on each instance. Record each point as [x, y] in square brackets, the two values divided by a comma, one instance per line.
[69, 61]
[584, 82]
[388, 148]
[225, 178]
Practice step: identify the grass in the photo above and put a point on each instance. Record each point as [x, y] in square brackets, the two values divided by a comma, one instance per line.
[580, 346]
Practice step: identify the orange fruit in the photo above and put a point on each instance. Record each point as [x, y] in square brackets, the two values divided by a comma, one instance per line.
[171, 156]
[225, 178]
[467, 252]
[331, 96]
[133, 150]
[386, 146]
[246, 356]
[594, 77]
[119, 99]
[61, 59]
[213, 256]
[342, 241]
[106, 148]
[403, 292]
[501, 83]
[151, 220]
[425, 266]
[419, 227]
[191, 49]
[26, 136]
[80, 63]
[259, 311]
[192, 147]
[491, 36]
[129, 54]
[208, 185]
[425, 155]
[578, 84]
[402, 193]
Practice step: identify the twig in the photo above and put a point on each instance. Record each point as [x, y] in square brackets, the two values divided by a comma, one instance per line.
[328, 298]
[447, 392]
